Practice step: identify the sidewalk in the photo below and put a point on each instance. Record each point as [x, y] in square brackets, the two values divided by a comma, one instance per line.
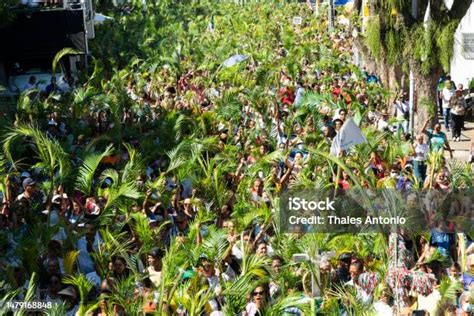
[462, 149]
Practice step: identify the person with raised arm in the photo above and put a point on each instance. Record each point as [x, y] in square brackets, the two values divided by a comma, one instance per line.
[436, 138]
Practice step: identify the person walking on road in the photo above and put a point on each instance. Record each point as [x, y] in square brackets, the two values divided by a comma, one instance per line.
[447, 94]
[458, 109]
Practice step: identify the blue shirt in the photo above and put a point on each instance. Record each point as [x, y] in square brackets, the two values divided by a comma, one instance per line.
[441, 240]
[437, 140]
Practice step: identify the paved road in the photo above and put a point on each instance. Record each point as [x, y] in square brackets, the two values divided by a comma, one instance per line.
[462, 149]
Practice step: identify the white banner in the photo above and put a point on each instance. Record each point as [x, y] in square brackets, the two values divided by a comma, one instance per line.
[349, 135]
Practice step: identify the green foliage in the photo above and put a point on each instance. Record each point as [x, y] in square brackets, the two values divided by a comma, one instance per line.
[471, 84]
[461, 176]
[83, 286]
[373, 37]
[88, 169]
[449, 290]
[445, 43]
[155, 49]
[51, 155]
[393, 43]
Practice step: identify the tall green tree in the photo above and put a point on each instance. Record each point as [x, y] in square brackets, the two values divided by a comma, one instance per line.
[397, 39]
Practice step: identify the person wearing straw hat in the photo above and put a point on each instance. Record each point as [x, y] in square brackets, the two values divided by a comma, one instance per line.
[382, 124]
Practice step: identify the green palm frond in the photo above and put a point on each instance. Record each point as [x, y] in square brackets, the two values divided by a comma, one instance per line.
[176, 160]
[115, 244]
[9, 296]
[57, 309]
[436, 256]
[63, 52]
[449, 290]
[146, 235]
[83, 285]
[347, 296]
[88, 169]
[215, 245]
[69, 261]
[192, 297]
[461, 176]
[134, 166]
[30, 293]
[290, 302]
[255, 266]
[236, 292]
[50, 153]
[124, 296]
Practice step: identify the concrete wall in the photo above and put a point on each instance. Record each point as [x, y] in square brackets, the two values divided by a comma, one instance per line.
[462, 70]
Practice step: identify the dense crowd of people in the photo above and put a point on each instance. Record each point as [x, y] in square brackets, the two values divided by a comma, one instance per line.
[139, 233]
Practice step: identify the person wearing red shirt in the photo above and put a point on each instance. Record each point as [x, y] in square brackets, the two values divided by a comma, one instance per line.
[286, 95]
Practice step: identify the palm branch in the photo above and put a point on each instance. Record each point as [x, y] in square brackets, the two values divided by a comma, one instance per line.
[449, 291]
[119, 190]
[83, 285]
[114, 244]
[63, 52]
[69, 261]
[30, 293]
[147, 236]
[88, 169]
[51, 155]
[347, 296]
[285, 303]
[57, 309]
[215, 245]
[134, 166]
[460, 174]
[235, 293]
[192, 297]
[124, 296]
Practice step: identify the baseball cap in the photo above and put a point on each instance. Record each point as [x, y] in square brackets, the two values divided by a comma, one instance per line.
[28, 182]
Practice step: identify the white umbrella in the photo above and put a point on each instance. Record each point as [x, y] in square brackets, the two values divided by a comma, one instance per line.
[234, 60]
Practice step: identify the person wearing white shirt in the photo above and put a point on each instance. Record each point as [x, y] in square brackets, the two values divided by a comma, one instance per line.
[382, 124]
[430, 303]
[382, 307]
[206, 270]
[421, 150]
[402, 112]
[447, 93]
